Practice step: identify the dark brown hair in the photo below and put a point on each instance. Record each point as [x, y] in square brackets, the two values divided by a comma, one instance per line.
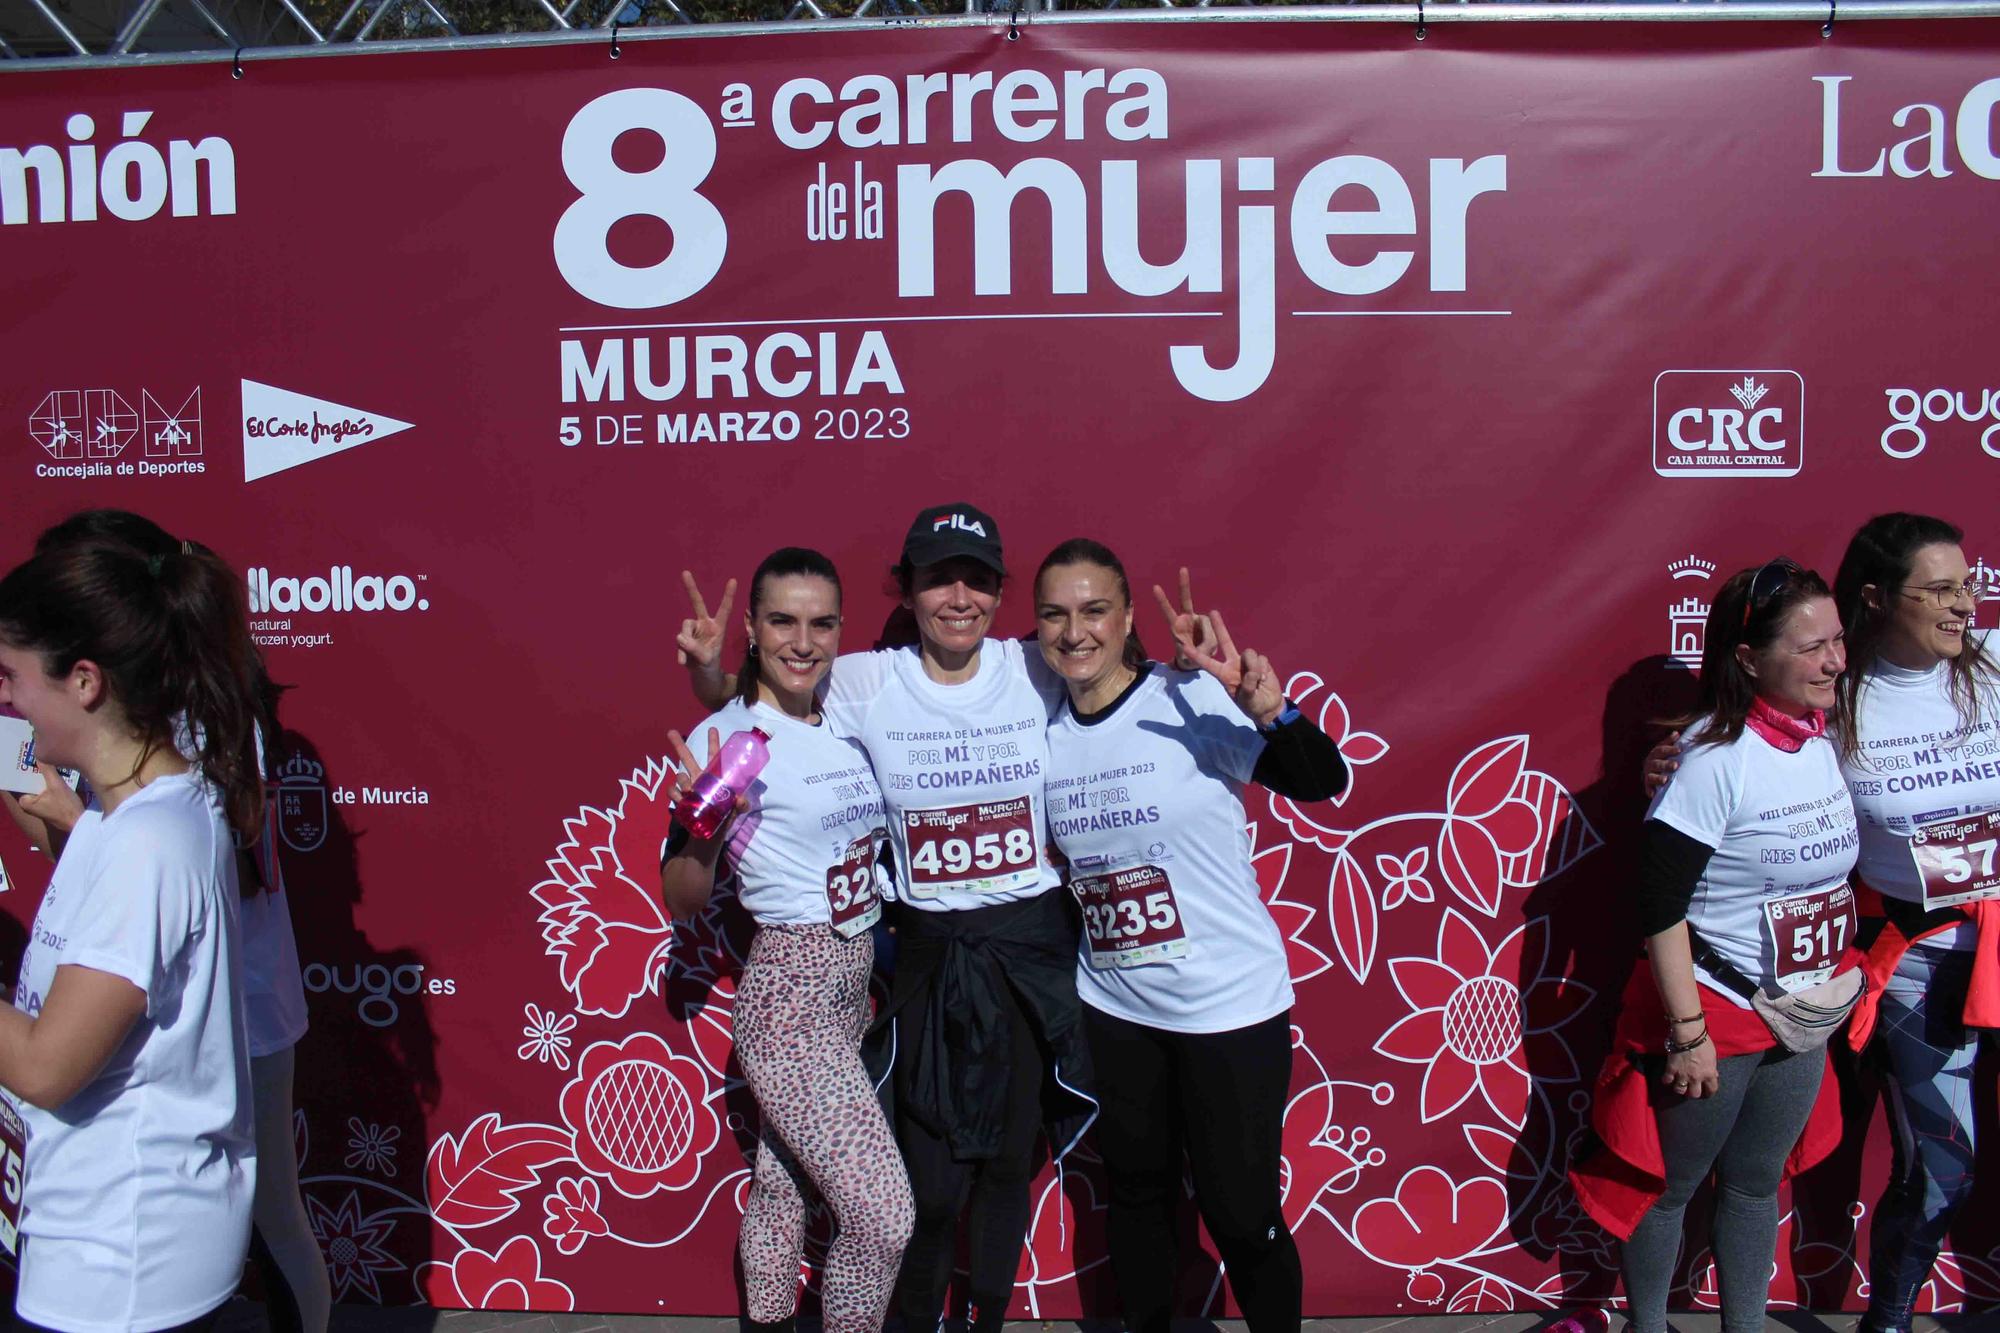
[1084, 551]
[166, 623]
[786, 560]
[1881, 554]
[1726, 688]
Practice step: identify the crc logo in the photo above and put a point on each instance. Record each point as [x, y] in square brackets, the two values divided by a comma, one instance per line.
[1729, 423]
[378, 985]
[78, 424]
[1909, 409]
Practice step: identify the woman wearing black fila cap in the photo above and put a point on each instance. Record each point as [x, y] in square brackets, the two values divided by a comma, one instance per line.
[988, 1029]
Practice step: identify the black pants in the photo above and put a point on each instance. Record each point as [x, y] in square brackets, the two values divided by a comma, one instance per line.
[994, 1194]
[1218, 1100]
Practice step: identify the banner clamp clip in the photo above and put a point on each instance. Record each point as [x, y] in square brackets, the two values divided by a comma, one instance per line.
[614, 39]
[1832, 7]
[1422, 30]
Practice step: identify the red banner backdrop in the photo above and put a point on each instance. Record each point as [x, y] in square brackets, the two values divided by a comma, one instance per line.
[1458, 372]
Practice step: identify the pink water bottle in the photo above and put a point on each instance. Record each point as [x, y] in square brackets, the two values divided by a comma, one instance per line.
[729, 774]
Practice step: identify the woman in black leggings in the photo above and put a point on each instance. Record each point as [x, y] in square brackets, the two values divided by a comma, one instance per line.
[1183, 975]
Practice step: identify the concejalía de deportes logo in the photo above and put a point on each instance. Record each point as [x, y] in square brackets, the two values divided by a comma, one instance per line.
[88, 433]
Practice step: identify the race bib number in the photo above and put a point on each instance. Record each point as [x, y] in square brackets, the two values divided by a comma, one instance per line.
[1130, 917]
[1957, 859]
[1808, 933]
[986, 847]
[852, 902]
[14, 1146]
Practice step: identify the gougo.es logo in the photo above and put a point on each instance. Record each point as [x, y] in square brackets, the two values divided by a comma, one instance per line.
[378, 984]
[1906, 435]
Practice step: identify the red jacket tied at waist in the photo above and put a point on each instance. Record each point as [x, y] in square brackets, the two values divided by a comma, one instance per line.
[1982, 997]
[1623, 1178]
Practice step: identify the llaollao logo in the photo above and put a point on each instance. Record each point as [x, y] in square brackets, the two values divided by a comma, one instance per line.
[340, 589]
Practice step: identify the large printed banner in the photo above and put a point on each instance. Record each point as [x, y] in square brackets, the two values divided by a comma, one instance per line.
[1458, 372]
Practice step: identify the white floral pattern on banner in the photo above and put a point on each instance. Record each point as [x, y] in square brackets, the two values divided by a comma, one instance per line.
[354, 1245]
[508, 1279]
[547, 1034]
[607, 929]
[1473, 1024]
[641, 1115]
[570, 1214]
[371, 1147]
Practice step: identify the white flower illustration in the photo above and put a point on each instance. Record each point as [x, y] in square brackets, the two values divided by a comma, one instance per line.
[547, 1034]
[372, 1147]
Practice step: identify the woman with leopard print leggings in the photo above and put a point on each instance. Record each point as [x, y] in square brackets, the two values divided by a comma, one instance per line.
[800, 1013]
[803, 845]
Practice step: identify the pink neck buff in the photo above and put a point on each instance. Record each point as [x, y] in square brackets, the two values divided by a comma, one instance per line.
[1788, 733]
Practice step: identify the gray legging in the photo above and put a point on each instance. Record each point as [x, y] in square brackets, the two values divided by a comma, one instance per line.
[1745, 1132]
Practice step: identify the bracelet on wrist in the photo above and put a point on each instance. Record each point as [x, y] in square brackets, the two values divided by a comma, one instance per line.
[1676, 1022]
[1683, 1047]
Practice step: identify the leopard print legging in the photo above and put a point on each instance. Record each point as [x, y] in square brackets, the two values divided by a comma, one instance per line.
[800, 1011]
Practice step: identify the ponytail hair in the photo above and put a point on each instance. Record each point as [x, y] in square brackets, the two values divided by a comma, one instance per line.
[1084, 551]
[166, 623]
[786, 560]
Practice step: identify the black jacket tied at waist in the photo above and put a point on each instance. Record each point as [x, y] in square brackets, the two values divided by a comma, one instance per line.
[954, 971]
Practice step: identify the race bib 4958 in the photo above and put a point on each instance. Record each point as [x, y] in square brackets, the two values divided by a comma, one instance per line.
[983, 847]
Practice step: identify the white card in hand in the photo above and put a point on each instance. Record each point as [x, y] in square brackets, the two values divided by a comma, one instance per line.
[17, 757]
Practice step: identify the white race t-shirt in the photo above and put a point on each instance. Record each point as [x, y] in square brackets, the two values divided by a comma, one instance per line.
[813, 801]
[274, 992]
[1146, 803]
[139, 1187]
[1782, 827]
[1918, 763]
[961, 770]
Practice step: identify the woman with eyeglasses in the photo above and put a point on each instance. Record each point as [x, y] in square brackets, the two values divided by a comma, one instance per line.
[1917, 729]
[1746, 912]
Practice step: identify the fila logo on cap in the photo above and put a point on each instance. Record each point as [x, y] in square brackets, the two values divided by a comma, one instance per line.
[959, 523]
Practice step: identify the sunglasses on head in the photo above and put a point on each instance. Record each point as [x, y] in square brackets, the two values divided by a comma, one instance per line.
[1769, 581]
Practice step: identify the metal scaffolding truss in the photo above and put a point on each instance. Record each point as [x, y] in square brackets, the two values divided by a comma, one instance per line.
[94, 31]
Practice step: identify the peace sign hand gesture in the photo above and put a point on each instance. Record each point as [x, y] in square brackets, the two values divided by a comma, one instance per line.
[1191, 630]
[690, 769]
[699, 644]
[1248, 676]
[1258, 694]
